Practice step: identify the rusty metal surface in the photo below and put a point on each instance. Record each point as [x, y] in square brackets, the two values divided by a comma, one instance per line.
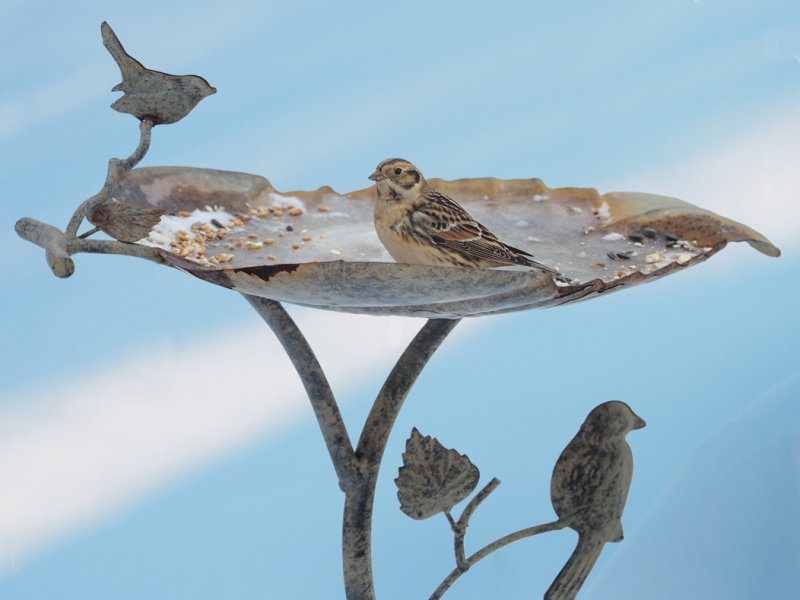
[319, 248]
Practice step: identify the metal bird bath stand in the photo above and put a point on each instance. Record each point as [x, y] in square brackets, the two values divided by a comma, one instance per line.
[235, 230]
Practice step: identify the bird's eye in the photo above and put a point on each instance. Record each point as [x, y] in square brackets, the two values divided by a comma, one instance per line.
[398, 170]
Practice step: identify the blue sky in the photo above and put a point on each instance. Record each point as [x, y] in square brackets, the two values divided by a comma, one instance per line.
[144, 456]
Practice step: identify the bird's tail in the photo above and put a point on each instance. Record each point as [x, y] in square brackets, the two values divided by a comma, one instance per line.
[521, 257]
[569, 581]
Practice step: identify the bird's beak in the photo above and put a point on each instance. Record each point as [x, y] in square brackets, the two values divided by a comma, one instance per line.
[377, 176]
[638, 422]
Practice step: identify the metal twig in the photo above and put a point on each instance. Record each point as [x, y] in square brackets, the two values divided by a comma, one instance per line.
[488, 549]
[460, 528]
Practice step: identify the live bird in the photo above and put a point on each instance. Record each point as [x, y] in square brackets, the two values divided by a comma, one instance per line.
[589, 488]
[419, 225]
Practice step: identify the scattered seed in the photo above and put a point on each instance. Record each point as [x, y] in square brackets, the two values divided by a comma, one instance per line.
[636, 237]
[611, 254]
[671, 237]
[335, 252]
[183, 213]
[598, 265]
[271, 257]
[295, 246]
[322, 208]
[682, 259]
[269, 241]
[306, 238]
[296, 211]
[289, 228]
[652, 258]
[254, 245]
[252, 236]
[623, 256]
[649, 232]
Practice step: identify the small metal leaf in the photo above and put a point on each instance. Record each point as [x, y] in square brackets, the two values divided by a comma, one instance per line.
[433, 479]
[124, 222]
[149, 94]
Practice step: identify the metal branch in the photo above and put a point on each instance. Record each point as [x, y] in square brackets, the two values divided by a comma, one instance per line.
[460, 528]
[52, 240]
[316, 384]
[116, 169]
[463, 522]
[489, 548]
[357, 521]
[150, 253]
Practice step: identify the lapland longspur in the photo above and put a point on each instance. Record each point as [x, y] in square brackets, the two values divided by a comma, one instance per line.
[419, 225]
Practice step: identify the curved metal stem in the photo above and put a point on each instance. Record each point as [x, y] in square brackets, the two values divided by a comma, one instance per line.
[316, 384]
[357, 521]
[116, 169]
[357, 470]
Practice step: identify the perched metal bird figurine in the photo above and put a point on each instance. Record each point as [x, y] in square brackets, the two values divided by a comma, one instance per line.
[419, 225]
[589, 488]
[149, 94]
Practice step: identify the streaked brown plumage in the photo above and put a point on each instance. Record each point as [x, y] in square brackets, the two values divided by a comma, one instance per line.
[419, 225]
[589, 488]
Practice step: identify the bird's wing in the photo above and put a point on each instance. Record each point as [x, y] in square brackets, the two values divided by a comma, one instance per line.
[449, 225]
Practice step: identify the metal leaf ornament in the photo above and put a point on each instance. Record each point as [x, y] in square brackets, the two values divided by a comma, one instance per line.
[433, 479]
[153, 95]
[124, 222]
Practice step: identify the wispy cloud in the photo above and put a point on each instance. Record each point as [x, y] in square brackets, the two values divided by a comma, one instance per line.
[754, 178]
[79, 451]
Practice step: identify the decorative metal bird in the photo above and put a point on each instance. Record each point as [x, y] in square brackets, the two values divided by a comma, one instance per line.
[149, 94]
[589, 488]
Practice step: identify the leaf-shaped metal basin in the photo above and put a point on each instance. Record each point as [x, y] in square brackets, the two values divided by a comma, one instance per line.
[320, 248]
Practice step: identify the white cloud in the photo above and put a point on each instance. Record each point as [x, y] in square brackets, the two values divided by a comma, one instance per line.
[754, 178]
[79, 451]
